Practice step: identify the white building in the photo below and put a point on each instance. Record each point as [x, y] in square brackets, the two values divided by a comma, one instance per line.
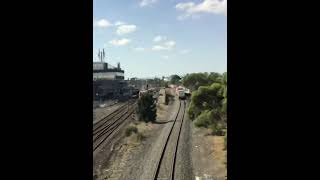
[102, 70]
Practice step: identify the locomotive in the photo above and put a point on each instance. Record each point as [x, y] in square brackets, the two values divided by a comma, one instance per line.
[180, 92]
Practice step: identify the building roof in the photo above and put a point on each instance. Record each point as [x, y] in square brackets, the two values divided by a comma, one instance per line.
[99, 67]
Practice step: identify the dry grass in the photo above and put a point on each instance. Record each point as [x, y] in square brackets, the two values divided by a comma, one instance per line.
[143, 129]
[211, 156]
[219, 154]
[161, 111]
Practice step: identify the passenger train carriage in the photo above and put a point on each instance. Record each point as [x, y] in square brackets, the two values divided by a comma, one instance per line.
[180, 92]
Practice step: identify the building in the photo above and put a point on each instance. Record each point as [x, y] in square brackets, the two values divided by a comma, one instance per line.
[102, 70]
[109, 83]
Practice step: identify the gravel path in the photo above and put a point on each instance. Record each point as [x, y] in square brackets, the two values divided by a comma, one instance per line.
[156, 147]
[184, 170]
[167, 161]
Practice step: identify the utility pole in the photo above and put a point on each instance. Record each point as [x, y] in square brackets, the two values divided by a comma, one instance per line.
[103, 54]
[99, 55]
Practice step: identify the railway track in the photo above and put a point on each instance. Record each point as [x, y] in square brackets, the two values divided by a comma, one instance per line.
[111, 124]
[165, 167]
[109, 117]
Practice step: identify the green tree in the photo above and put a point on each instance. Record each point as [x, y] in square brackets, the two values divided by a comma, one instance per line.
[146, 109]
[175, 79]
[195, 80]
[205, 119]
[224, 87]
[207, 97]
[214, 77]
[208, 105]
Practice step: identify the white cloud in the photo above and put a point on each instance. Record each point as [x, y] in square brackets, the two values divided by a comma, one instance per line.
[139, 49]
[120, 42]
[103, 23]
[144, 3]
[165, 57]
[118, 23]
[158, 48]
[183, 6]
[170, 44]
[159, 38]
[186, 16]
[165, 46]
[207, 6]
[125, 29]
[185, 51]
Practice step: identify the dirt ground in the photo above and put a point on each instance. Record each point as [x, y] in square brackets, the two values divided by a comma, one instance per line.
[208, 155]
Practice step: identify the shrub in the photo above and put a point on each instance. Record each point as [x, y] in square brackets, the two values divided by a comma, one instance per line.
[166, 85]
[190, 111]
[225, 141]
[204, 119]
[193, 111]
[167, 99]
[130, 130]
[217, 129]
[140, 136]
[146, 109]
[224, 105]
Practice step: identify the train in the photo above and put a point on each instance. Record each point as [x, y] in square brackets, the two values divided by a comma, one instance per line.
[180, 92]
[187, 92]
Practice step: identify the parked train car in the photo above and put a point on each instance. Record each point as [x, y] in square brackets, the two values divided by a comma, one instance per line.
[172, 86]
[187, 92]
[180, 91]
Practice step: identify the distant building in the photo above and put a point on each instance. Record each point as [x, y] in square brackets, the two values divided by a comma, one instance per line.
[102, 70]
[108, 82]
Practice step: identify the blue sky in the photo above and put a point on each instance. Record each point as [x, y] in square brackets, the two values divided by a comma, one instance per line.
[161, 37]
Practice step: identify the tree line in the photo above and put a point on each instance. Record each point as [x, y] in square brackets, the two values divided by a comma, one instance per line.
[208, 103]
